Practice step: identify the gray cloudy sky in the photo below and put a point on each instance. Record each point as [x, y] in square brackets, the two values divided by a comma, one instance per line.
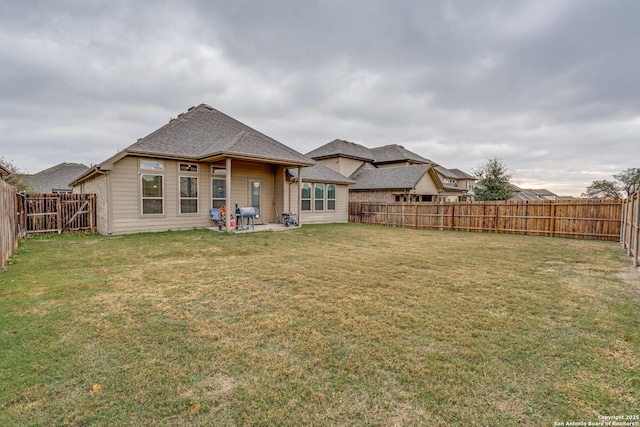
[550, 86]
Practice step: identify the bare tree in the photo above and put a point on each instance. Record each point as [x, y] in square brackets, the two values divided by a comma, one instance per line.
[16, 178]
[603, 189]
[629, 180]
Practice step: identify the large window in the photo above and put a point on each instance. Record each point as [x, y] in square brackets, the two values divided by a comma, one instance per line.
[152, 195]
[319, 197]
[255, 197]
[218, 192]
[188, 194]
[331, 197]
[306, 197]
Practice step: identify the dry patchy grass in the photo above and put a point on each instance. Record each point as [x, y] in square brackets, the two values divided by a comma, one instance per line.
[324, 325]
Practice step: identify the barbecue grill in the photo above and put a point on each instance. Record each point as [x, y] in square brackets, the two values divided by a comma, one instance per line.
[249, 213]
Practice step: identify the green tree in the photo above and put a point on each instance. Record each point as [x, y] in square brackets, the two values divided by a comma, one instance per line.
[603, 189]
[493, 181]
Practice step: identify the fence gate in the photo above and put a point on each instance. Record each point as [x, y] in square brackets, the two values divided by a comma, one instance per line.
[630, 227]
[56, 213]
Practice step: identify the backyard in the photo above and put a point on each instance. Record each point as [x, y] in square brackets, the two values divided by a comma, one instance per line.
[344, 324]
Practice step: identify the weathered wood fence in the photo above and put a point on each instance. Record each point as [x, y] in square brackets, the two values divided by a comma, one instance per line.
[630, 226]
[580, 219]
[12, 221]
[57, 213]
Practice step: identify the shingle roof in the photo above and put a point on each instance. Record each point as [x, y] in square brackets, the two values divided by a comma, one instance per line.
[339, 147]
[396, 153]
[532, 194]
[320, 173]
[204, 132]
[462, 174]
[56, 177]
[399, 177]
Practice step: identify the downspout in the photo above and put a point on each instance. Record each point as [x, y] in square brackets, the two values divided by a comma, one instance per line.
[300, 195]
[227, 183]
[107, 177]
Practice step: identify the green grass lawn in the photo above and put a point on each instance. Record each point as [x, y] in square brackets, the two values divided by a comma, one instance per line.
[324, 325]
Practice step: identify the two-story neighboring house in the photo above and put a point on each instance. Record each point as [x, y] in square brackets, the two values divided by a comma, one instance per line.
[392, 173]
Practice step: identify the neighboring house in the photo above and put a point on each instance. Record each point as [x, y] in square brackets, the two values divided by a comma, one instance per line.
[393, 174]
[457, 180]
[533, 194]
[171, 178]
[56, 179]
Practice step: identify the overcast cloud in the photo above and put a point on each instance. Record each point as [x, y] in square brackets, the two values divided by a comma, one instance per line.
[551, 87]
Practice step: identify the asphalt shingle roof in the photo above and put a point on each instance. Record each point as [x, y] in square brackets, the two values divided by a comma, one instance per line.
[339, 147]
[321, 173]
[452, 173]
[56, 177]
[396, 153]
[399, 177]
[204, 132]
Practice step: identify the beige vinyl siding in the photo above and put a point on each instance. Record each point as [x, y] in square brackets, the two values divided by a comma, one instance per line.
[126, 210]
[340, 214]
[279, 194]
[394, 164]
[126, 215]
[98, 185]
[243, 173]
[426, 186]
[348, 166]
[342, 165]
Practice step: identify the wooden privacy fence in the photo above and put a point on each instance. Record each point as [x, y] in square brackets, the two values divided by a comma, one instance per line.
[57, 213]
[630, 228]
[580, 219]
[12, 221]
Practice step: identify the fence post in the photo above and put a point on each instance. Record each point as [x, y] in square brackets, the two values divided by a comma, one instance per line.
[623, 216]
[453, 217]
[636, 233]
[386, 214]
[552, 223]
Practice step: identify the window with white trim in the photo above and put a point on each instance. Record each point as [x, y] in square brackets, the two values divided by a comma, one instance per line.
[306, 197]
[318, 204]
[152, 194]
[331, 197]
[188, 195]
[218, 192]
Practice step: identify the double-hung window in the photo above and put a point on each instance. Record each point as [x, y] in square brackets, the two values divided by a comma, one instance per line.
[331, 197]
[188, 194]
[188, 189]
[319, 197]
[306, 197]
[152, 192]
[218, 187]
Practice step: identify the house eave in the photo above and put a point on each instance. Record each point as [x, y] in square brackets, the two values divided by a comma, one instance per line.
[215, 157]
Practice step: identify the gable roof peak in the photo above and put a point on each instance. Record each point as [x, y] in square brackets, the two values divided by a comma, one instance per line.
[341, 148]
